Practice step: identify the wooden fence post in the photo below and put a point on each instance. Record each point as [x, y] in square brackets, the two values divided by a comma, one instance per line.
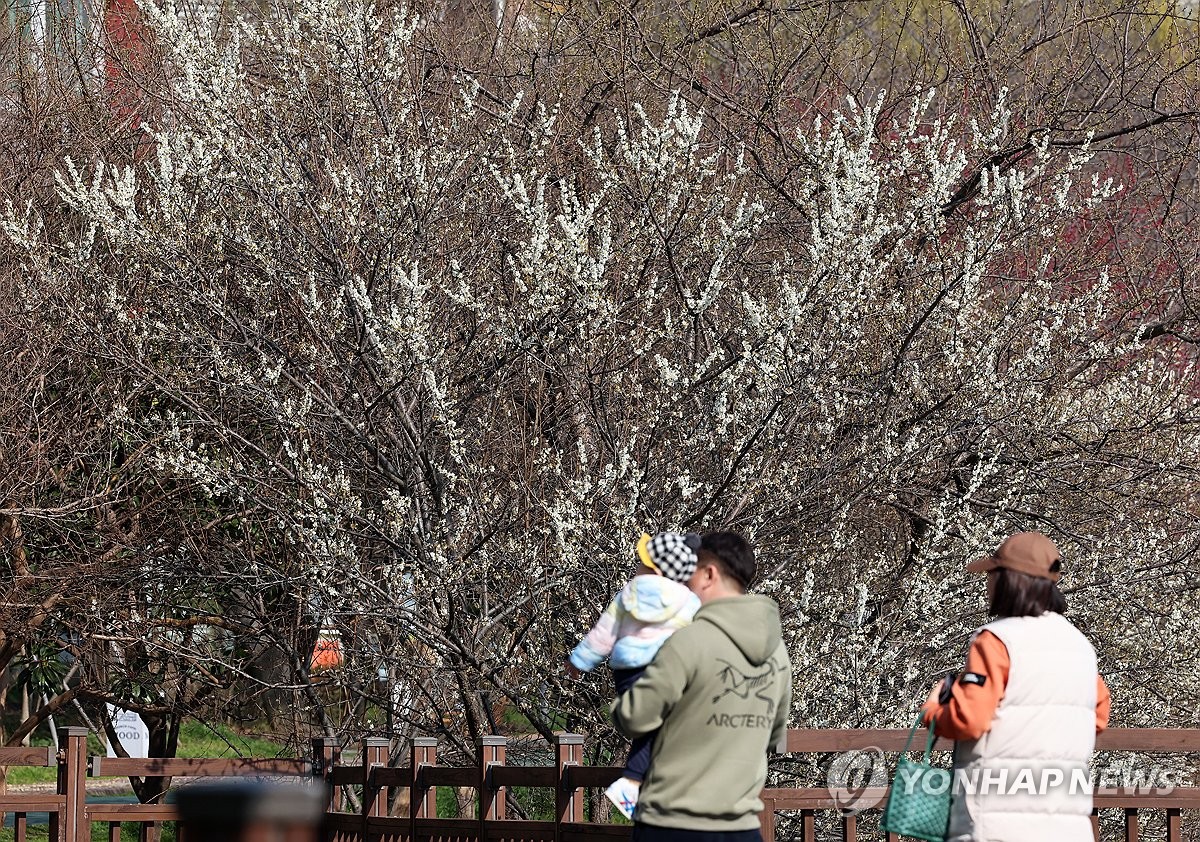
[568, 801]
[491, 797]
[849, 829]
[422, 799]
[374, 804]
[808, 826]
[766, 820]
[327, 753]
[72, 783]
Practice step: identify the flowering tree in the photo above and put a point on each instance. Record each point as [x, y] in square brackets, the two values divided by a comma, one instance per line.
[417, 356]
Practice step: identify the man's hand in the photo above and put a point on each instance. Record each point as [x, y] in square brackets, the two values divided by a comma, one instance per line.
[572, 671]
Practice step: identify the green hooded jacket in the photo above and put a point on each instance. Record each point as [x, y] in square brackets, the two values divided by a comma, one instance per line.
[720, 690]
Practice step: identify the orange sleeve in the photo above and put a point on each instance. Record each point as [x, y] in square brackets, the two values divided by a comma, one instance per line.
[972, 705]
[1103, 704]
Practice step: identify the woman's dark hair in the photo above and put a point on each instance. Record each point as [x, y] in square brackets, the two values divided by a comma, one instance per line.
[1022, 595]
[731, 553]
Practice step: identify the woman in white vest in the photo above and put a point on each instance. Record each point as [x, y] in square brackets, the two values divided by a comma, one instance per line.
[1025, 710]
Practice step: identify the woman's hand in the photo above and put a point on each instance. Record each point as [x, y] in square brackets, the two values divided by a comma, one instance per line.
[572, 670]
[932, 700]
[931, 703]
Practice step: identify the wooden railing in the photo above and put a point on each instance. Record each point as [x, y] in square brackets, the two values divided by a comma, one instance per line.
[807, 802]
[149, 817]
[70, 814]
[373, 781]
[569, 779]
[22, 805]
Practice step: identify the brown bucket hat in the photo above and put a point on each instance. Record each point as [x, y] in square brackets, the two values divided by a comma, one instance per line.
[1031, 553]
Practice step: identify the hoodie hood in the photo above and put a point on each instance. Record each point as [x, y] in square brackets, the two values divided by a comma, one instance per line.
[655, 599]
[751, 622]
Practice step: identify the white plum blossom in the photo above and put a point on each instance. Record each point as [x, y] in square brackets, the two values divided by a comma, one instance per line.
[457, 354]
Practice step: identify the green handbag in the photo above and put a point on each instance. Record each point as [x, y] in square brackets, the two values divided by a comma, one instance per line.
[919, 803]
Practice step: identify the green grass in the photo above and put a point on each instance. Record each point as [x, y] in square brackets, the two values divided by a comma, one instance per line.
[199, 740]
[31, 775]
[129, 833]
[512, 721]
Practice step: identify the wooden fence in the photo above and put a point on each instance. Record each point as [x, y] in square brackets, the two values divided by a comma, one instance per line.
[373, 781]
[1129, 802]
[71, 816]
[569, 779]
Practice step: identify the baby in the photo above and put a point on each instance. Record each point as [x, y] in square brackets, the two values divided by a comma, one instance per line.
[653, 605]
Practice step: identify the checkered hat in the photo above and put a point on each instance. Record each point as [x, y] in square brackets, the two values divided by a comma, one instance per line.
[670, 553]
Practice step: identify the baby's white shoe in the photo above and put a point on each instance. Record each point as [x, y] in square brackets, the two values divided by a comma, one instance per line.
[624, 793]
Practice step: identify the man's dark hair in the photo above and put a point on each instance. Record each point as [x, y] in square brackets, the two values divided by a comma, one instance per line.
[1022, 595]
[731, 553]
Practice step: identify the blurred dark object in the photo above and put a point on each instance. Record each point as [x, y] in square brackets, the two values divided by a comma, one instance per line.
[250, 811]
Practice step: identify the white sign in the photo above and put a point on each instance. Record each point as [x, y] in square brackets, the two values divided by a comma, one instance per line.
[131, 731]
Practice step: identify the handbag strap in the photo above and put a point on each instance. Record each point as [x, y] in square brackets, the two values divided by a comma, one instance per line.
[928, 740]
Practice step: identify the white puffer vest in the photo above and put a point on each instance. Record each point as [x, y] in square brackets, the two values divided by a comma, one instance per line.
[1044, 725]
